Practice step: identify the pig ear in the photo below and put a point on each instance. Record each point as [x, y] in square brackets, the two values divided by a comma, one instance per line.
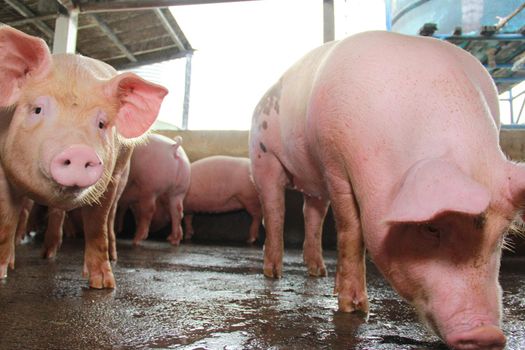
[21, 56]
[140, 103]
[435, 186]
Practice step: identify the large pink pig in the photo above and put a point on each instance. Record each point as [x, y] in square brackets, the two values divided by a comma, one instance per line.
[400, 134]
[221, 184]
[158, 180]
[67, 129]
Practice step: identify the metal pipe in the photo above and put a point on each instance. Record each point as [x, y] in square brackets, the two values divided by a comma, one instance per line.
[126, 5]
[499, 37]
[509, 80]
[187, 87]
[328, 21]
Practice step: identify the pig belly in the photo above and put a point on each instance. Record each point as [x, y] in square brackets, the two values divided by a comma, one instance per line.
[212, 205]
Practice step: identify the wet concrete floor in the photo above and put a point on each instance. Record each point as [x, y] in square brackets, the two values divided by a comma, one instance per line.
[209, 297]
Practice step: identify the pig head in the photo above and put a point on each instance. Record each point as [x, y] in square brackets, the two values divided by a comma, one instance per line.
[68, 125]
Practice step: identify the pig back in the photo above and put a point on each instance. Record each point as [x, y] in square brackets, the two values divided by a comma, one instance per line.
[385, 101]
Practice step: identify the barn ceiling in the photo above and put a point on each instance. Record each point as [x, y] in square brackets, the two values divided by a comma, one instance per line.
[123, 39]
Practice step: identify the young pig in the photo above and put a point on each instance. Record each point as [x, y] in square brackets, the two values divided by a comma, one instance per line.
[158, 180]
[67, 125]
[400, 134]
[221, 184]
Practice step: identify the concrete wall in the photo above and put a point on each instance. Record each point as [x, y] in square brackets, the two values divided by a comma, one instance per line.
[233, 227]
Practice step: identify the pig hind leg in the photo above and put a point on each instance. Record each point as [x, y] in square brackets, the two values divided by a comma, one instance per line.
[21, 228]
[255, 211]
[188, 227]
[143, 212]
[176, 212]
[350, 276]
[314, 211]
[270, 180]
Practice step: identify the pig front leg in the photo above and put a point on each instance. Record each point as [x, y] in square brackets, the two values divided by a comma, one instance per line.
[350, 284]
[176, 212]
[314, 211]
[121, 179]
[96, 256]
[270, 180]
[9, 210]
[54, 233]
[188, 227]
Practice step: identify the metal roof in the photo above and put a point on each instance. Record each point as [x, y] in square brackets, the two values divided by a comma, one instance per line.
[121, 38]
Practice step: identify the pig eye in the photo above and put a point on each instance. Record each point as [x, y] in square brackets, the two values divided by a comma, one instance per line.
[431, 230]
[101, 125]
[37, 110]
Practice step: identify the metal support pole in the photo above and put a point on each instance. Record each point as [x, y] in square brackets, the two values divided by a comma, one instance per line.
[187, 86]
[511, 101]
[388, 9]
[328, 21]
[65, 39]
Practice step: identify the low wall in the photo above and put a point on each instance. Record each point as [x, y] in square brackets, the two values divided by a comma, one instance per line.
[231, 227]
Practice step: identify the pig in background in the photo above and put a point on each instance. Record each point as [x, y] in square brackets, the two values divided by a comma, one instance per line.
[222, 184]
[68, 124]
[400, 134]
[158, 180]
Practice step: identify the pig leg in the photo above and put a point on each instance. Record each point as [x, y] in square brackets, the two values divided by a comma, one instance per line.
[270, 180]
[176, 212]
[256, 214]
[53, 234]
[188, 227]
[143, 212]
[121, 179]
[350, 276]
[9, 209]
[95, 221]
[21, 229]
[69, 229]
[314, 211]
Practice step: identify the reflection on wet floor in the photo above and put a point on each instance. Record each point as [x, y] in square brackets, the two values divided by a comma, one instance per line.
[210, 297]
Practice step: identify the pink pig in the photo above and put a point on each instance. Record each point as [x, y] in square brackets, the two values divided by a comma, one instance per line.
[400, 135]
[68, 129]
[221, 184]
[158, 180]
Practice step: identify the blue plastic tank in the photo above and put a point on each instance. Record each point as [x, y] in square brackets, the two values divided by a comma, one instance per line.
[408, 16]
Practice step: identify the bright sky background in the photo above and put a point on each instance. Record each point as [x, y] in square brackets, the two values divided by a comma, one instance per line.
[242, 48]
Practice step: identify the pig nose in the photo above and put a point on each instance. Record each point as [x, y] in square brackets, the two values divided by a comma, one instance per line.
[486, 337]
[77, 165]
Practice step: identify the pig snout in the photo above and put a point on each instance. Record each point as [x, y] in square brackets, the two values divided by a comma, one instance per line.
[77, 165]
[486, 337]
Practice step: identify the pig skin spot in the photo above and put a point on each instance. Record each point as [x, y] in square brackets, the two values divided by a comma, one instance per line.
[265, 125]
[259, 156]
[263, 147]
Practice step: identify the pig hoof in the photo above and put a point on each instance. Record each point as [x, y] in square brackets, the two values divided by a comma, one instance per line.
[101, 281]
[353, 304]
[272, 272]
[49, 253]
[3, 271]
[317, 271]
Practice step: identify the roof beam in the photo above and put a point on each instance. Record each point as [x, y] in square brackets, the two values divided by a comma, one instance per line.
[174, 36]
[109, 33]
[31, 20]
[26, 12]
[125, 5]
